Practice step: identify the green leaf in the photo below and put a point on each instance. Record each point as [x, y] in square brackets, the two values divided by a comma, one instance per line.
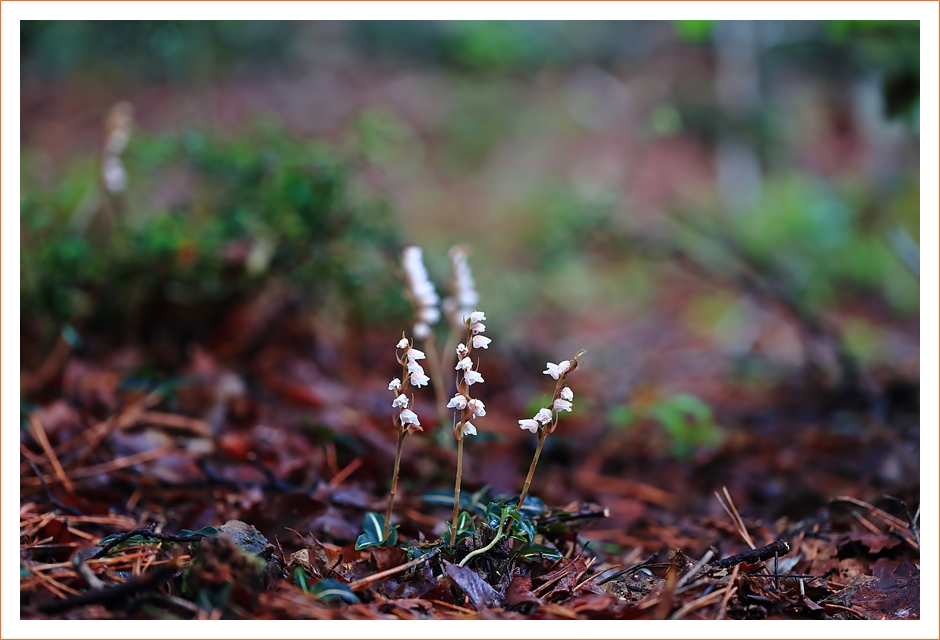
[138, 539]
[373, 530]
[511, 511]
[133, 541]
[532, 550]
[472, 502]
[492, 514]
[532, 506]
[418, 552]
[478, 499]
[111, 538]
[202, 533]
[330, 590]
[300, 578]
[465, 528]
[522, 529]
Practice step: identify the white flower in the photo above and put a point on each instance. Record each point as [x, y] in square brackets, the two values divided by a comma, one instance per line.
[421, 331]
[394, 385]
[113, 174]
[477, 407]
[555, 370]
[457, 402]
[402, 344]
[531, 425]
[414, 367]
[429, 314]
[471, 377]
[562, 405]
[544, 416]
[464, 287]
[468, 429]
[462, 350]
[417, 276]
[466, 364]
[414, 354]
[401, 401]
[408, 417]
[567, 394]
[468, 299]
[481, 341]
[477, 327]
[419, 379]
[477, 316]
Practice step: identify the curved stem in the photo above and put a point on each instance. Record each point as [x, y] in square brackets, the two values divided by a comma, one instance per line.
[499, 534]
[535, 460]
[453, 525]
[394, 489]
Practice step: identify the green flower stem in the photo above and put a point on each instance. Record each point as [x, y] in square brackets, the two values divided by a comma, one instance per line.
[391, 494]
[535, 460]
[499, 534]
[453, 526]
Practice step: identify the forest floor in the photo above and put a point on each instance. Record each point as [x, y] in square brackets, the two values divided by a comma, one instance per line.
[239, 486]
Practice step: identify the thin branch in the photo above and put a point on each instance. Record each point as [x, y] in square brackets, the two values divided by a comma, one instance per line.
[777, 547]
[364, 582]
[577, 515]
[698, 603]
[39, 435]
[52, 499]
[728, 593]
[106, 467]
[736, 520]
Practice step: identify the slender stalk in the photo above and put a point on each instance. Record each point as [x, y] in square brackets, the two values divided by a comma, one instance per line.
[535, 460]
[453, 525]
[391, 494]
[437, 379]
[499, 534]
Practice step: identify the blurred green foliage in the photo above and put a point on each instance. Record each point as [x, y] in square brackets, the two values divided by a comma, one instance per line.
[206, 220]
[695, 31]
[685, 420]
[153, 50]
[576, 221]
[490, 46]
[825, 243]
[131, 51]
[892, 48]
[689, 423]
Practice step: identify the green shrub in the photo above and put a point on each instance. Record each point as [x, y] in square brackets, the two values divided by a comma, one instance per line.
[205, 221]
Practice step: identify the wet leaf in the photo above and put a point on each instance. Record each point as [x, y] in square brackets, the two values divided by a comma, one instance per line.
[477, 590]
[373, 532]
[330, 590]
[531, 551]
[519, 592]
